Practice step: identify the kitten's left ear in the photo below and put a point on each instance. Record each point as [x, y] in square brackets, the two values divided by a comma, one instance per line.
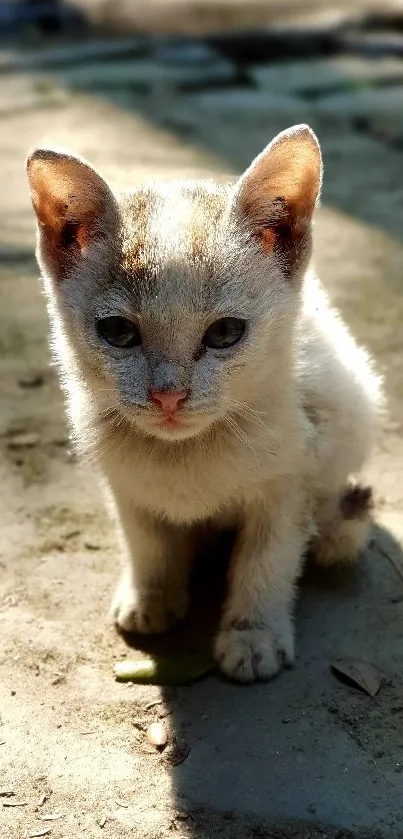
[277, 194]
[73, 204]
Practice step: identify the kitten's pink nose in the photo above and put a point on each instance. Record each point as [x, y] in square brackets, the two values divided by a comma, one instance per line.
[169, 401]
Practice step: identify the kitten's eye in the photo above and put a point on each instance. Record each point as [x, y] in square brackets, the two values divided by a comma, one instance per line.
[119, 332]
[224, 333]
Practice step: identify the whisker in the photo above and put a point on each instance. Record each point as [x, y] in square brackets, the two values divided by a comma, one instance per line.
[249, 413]
[249, 408]
[243, 414]
[112, 417]
[242, 437]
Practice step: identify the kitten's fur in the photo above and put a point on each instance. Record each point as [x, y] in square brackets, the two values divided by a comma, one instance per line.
[274, 430]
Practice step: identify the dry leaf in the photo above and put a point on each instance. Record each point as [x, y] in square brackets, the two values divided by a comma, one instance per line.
[157, 735]
[177, 753]
[358, 673]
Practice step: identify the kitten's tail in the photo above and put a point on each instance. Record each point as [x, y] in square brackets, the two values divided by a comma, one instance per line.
[342, 538]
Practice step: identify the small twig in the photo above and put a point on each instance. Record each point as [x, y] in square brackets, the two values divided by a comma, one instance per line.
[6, 793]
[37, 833]
[154, 704]
[58, 679]
[72, 534]
[42, 800]
[102, 822]
[120, 803]
[184, 816]
[15, 803]
[51, 817]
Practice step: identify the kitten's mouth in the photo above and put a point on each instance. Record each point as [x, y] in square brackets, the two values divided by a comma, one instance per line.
[176, 426]
[179, 425]
[170, 421]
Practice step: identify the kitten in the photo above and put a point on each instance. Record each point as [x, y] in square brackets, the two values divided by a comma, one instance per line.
[207, 373]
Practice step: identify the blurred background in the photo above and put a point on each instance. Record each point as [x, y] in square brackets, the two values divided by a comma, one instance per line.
[161, 89]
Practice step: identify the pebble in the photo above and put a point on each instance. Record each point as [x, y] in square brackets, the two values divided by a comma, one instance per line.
[157, 735]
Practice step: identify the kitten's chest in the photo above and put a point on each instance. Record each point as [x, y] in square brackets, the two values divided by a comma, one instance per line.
[190, 489]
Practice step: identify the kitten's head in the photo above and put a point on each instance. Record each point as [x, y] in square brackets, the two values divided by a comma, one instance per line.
[178, 302]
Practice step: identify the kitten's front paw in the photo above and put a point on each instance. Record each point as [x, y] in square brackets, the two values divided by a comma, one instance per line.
[149, 611]
[248, 654]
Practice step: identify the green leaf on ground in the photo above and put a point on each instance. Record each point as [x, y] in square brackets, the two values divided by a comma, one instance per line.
[178, 670]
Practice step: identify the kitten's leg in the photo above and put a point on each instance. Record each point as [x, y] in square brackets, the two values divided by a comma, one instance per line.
[152, 594]
[256, 636]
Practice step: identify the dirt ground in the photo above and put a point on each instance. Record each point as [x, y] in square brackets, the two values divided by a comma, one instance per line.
[305, 756]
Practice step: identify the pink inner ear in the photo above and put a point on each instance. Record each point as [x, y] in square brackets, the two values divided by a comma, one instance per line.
[282, 185]
[68, 196]
[268, 237]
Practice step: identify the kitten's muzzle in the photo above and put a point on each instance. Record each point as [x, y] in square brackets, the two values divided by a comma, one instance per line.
[170, 401]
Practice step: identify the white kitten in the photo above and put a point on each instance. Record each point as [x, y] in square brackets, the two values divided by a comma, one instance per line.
[208, 375]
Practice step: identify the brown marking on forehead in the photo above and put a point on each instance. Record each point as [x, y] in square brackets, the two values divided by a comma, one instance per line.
[136, 213]
[207, 207]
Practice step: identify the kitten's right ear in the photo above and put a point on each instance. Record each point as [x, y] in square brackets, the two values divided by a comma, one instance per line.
[73, 204]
